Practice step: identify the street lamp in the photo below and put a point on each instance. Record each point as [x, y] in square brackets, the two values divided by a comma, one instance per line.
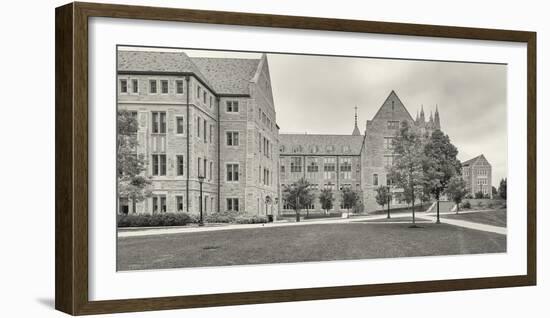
[201, 180]
[389, 200]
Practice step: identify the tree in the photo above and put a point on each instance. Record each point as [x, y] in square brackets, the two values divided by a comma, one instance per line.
[494, 191]
[296, 194]
[457, 190]
[326, 198]
[440, 164]
[502, 188]
[407, 169]
[479, 195]
[307, 201]
[382, 195]
[131, 167]
[350, 198]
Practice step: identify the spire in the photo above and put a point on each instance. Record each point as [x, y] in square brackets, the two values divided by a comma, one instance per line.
[356, 131]
[422, 118]
[431, 116]
[416, 119]
[436, 118]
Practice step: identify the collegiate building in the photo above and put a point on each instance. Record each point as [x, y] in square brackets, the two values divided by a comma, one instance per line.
[215, 118]
[477, 173]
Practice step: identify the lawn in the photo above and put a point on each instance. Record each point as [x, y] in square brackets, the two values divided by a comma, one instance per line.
[496, 217]
[303, 243]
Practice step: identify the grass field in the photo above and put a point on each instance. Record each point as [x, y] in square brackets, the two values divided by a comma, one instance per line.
[496, 218]
[304, 243]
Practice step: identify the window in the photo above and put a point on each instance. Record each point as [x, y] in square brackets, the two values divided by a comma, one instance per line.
[123, 86]
[159, 204]
[388, 143]
[232, 138]
[330, 149]
[388, 161]
[179, 125]
[393, 124]
[152, 86]
[204, 97]
[159, 122]
[232, 204]
[388, 180]
[210, 101]
[329, 186]
[232, 106]
[199, 161]
[179, 165]
[159, 165]
[210, 175]
[346, 149]
[164, 86]
[282, 169]
[198, 91]
[211, 131]
[295, 164]
[123, 206]
[204, 168]
[313, 167]
[232, 172]
[179, 203]
[345, 168]
[375, 179]
[329, 167]
[135, 86]
[179, 86]
[204, 130]
[260, 142]
[134, 118]
[198, 127]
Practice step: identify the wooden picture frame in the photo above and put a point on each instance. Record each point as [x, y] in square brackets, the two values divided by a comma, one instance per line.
[71, 107]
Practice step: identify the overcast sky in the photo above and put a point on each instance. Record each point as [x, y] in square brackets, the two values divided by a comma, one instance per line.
[317, 94]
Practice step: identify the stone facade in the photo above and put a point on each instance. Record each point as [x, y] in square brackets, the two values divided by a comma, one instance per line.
[477, 173]
[215, 117]
[186, 109]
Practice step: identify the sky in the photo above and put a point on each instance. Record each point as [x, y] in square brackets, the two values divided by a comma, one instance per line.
[318, 94]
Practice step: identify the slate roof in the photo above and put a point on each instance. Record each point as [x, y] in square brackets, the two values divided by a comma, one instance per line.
[228, 75]
[292, 142]
[224, 75]
[473, 160]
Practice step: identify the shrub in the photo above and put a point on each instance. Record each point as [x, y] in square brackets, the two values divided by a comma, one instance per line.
[466, 205]
[254, 219]
[222, 217]
[490, 205]
[469, 196]
[479, 195]
[161, 219]
[479, 204]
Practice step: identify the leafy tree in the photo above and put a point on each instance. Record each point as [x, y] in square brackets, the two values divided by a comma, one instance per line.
[407, 169]
[494, 191]
[457, 190]
[382, 195]
[479, 195]
[502, 188]
[440, 164]
[326, 198]
[296, 194]
[350, 198]
[131, 167]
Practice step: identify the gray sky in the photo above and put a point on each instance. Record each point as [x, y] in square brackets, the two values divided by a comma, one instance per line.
[317, 94]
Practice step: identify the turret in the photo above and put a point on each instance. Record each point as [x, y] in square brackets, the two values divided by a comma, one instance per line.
[437, 124]
[422, 118]
[356, 131]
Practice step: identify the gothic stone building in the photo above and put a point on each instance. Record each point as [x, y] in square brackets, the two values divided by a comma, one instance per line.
[215, 117]
[477, 173]
[211, 117]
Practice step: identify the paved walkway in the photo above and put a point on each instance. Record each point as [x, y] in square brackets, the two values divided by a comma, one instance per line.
[424, 217]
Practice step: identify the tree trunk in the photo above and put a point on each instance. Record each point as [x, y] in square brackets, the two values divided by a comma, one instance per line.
[457, 207]
[437, 198]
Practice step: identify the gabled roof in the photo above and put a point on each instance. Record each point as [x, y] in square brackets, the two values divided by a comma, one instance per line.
[228, 75]
[290, 142]
[475, 160]
[387, 103]
[161, 62]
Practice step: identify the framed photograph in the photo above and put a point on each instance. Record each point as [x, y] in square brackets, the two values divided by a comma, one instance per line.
[211, 158]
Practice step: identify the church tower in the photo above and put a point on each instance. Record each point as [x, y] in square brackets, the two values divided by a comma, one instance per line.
[356, 131]
[437, 124]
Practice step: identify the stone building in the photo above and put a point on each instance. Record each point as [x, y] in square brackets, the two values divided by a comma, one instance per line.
[477, 173]
[215, 117]
[211, 117]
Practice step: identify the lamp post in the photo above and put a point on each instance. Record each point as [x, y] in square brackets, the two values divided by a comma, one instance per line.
[201, 180]
[389, 200]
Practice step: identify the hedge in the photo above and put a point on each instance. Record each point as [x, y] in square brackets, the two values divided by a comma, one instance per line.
[160, 219]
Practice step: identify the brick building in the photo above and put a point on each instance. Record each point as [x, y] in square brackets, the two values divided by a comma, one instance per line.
[477, 173]
[215, 117]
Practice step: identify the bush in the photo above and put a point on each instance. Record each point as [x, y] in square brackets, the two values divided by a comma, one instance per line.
[490, 205]
[161, 219]
[254, 219]
[469, 196]
[479, 195]
[466, 205]
[479, 204]
[222, 217]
